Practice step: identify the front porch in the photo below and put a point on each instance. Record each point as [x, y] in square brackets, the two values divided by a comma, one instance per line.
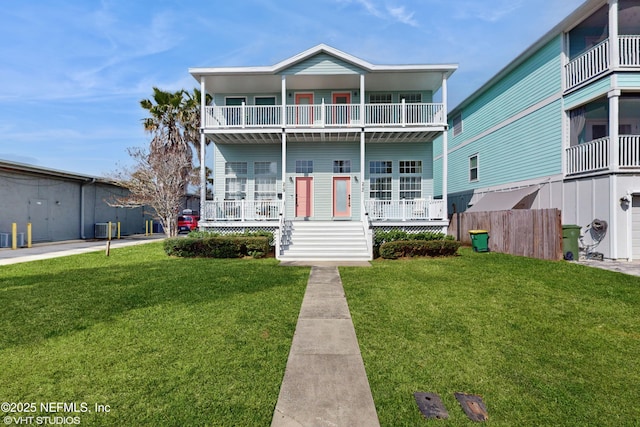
[220, 213]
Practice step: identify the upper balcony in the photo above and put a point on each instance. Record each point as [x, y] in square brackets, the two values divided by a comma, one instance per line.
[597, 60]
[398, 115]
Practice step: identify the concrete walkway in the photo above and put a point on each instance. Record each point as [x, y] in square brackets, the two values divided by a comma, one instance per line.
[325, 383]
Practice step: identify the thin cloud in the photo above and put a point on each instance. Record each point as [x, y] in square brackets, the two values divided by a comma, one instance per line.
[474, 10]
[401, 15]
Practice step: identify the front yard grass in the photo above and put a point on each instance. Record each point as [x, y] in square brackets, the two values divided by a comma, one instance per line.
[544, 343]
[161, 341]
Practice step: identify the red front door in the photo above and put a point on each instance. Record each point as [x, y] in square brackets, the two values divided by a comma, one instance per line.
[304, 196]
[304, 109]
[340, 111]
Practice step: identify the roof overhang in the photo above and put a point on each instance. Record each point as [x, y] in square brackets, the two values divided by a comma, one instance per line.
[268, 79]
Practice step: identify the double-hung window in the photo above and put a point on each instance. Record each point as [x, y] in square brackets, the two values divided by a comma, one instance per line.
[265, 177]
[380, 179]
[410, 179]
[473, 167]
[235, 180]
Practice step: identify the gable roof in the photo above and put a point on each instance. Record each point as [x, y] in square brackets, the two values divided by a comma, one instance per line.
[270, 76]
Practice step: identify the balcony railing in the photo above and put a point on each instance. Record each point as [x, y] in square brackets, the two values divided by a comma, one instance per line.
[242, 210]
[595, 155]
[629, 151]
[588, 65]
[324, 116]
[597, 60]
[588, 157]
[405, 210]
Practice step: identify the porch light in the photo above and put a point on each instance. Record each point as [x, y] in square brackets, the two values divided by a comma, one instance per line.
[355, 93]
[291, 179]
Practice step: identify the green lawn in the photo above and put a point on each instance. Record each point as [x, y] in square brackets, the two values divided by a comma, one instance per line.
[161, 341]
[190, 342]
[544, 343]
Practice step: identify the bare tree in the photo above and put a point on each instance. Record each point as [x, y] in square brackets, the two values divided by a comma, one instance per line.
[157, 180]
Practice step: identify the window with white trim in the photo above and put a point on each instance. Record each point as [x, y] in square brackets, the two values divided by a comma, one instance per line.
[411, 98]
[380, 98]
[473, 168]
[265, 180]
[457, 124]
[410, 179]
[235, 181]
[342, 166]
[380, 179]
[304, 166]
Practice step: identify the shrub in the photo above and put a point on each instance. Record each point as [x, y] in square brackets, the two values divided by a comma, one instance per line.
[432, 248]
[217, 246]
[394, 235]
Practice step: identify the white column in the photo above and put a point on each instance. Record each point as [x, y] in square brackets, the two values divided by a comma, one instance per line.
[614, 144]
[284, 144]
[283, 91]
[614, 44]
[362, 148]
[445, 148]
[203, 140]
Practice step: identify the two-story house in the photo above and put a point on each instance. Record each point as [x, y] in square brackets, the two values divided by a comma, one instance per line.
[559, 127]
[323, 148]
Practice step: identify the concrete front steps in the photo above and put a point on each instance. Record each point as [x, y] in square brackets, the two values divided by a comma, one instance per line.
[326, 241]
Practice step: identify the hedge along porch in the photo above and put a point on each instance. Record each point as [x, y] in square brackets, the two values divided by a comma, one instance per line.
[323, 142]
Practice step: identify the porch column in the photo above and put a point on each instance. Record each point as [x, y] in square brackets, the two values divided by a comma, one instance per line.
[362, 148]
[283, 91]
[445, 148]
[203, 168]
[614, 44]
[614, 144]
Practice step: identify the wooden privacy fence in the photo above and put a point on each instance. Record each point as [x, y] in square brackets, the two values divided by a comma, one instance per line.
[535, 233]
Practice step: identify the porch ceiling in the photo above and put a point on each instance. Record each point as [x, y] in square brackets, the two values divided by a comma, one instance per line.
[273, 136]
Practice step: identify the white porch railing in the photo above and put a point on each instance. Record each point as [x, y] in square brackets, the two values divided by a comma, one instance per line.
[241, 210]
[324, 115]
[588, 157]
[597, 60]
[629, 51]
[629, 151]
[588, 65]
[405, 210]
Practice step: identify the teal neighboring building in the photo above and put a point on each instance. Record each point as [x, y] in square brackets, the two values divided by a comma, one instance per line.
[558, 127]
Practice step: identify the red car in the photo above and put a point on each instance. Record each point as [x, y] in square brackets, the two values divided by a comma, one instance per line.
[187, 222]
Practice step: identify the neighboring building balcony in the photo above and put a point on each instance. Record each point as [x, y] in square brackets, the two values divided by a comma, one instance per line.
[595, 156]
[405, 210]
[597, 60]
[321, 116]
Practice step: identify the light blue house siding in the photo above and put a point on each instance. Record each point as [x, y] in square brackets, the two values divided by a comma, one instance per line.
[401, 152]
[224, 153]
[322, 64]
[514, 126]
[323, 155]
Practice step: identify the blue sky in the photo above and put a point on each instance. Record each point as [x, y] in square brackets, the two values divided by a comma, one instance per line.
[72, 72]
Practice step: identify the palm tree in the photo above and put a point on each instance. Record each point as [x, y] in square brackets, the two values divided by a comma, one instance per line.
[164, 123]
[190, 118]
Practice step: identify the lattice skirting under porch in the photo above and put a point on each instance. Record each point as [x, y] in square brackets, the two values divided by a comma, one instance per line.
[410, 228]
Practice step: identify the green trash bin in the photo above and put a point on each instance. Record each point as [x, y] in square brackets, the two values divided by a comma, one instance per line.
[479, 240]
[570, 236]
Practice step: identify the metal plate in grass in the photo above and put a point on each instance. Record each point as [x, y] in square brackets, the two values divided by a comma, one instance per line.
[431, 405]
[473, 406]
